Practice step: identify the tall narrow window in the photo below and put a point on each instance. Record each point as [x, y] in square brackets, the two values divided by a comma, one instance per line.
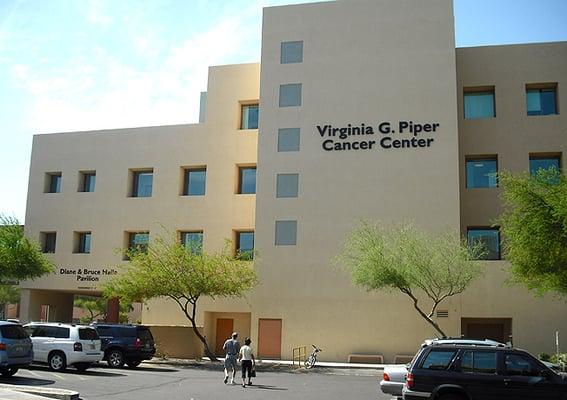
[488, 239]
[142, 182]
[195, 182]
[53, 182]
[83, 242]
[249, 117]
[541, 99]
[193, 241]
[479, 103]
[87, 181]
[482, 172]
[48, 241]
[245, 245]
[247, 180]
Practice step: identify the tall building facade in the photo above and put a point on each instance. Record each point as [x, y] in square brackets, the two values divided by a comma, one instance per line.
[359, 110]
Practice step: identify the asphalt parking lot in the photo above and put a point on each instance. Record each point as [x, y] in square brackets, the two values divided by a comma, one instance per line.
[151, 381]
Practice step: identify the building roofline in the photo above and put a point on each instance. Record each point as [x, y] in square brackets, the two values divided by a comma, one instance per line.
[113, 130]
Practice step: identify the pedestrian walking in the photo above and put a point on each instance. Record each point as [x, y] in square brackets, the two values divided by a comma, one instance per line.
[231, 349]
[248, 362]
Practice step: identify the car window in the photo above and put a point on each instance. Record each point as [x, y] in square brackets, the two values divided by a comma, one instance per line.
[13, 332]
[57, 332]
[144, 334]
[87, 334]
[483, 362]
[438, 359]
[104, 330]
[518, 364]
[127, 332]
[38, 331]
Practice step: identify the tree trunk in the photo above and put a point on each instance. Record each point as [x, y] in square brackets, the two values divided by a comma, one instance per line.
[424, 315]
[206, 348]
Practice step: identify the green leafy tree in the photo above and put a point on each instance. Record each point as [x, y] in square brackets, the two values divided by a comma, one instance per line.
[20, 258]
[408, 260]
[534, 228]
[167, 269]
[96, 309]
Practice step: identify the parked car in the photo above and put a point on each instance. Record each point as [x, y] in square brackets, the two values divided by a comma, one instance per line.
[126, 344]
[468, 371]
[63, 345]
[16, 349]
[394, 376]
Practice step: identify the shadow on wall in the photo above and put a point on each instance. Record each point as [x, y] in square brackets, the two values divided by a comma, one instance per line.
[176, 342]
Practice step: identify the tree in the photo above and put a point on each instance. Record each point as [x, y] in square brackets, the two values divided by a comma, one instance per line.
[534, 228]
[168, 269]
[20, 258]
[410, 261]
[96, 308]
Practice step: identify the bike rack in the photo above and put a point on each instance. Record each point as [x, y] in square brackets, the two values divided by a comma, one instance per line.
[299, 354]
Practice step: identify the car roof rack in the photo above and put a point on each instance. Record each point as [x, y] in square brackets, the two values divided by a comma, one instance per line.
[461, 341]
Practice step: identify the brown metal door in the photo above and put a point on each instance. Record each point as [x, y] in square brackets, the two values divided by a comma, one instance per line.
[269, 338]
[224, 330]
[486, 331]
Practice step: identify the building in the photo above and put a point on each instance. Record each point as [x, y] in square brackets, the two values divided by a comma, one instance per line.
[367, 111]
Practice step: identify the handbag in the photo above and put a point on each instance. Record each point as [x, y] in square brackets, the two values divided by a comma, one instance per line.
[253, 373]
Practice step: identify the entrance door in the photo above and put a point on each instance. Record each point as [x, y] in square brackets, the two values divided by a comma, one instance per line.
[270, 338]
[225, 328]
[499, 329]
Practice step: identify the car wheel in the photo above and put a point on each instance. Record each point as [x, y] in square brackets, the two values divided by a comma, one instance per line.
[7, 372]
[57, 361]
[115, 359]
[449, 396]
[133, 363]
[82, 367]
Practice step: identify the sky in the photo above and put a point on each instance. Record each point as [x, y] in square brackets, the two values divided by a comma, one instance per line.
[72, 65]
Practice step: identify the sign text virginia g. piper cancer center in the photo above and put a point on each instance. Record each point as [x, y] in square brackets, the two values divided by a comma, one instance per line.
[400, 135]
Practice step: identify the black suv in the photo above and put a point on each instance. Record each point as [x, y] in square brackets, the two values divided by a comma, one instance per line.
[130, 344]
[480, 372]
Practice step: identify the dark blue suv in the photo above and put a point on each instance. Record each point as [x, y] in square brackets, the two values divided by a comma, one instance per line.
[125, 344]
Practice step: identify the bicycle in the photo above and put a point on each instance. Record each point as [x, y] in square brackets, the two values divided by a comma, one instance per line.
[312, 359]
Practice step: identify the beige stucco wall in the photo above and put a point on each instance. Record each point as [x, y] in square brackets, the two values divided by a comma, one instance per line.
[176, 341]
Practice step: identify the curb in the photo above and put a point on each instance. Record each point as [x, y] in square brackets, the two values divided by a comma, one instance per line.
[52, 393]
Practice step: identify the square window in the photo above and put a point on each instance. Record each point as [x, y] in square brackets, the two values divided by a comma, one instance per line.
[245, 245]
[48, 241]
[288, 139]
[291, 52]
[286, 233]
[83, 242]
[249, 117]
[142, 182]
[290, 95]
[137, 242]
[544, 162]
[87, 181]
[482, 172]
[193, 241]
[246, 180]
[479, 103]
[541, 99]
[489, 239]
[195, 182]
[287, 185]
[53, 182]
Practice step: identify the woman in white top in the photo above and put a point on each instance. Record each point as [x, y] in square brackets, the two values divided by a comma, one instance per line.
[248, 361]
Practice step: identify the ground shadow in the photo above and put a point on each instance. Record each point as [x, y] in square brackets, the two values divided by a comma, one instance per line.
[72, 371]
[20, 380]
[265, 387]
[139, 368]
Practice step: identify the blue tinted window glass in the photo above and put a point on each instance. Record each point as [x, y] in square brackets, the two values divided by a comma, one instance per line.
[55, 183]
[193, 241]
[481, 173]
[195, 181]
[89, 183]
[248, 180]
[245, 249]
[490, 241]
[479, 105]
[139, 241]
[250, 116]
[291, 52]
[85, 243]
[541, 101]
[438, 359]
[543, 163]
[483, 362]
[290, 95]
[143, 184]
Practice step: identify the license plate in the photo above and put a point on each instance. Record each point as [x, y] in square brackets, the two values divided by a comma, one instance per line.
[91, 346]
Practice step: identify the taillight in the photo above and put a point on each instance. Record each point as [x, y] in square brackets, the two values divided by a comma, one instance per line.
[138, 344]
[386, 377]
[409, 381]
[78, 347]
[2, 346]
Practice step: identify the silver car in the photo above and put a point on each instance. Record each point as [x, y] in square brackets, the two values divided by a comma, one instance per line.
[16, 349]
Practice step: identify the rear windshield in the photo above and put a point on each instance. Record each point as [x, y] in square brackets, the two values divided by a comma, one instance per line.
[87, 334]
[144, 334]
[13, 332]
[438, 359]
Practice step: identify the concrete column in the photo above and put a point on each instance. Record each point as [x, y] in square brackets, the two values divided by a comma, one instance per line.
[113, 310]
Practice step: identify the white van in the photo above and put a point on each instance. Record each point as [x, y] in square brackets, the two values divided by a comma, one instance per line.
[63, 345]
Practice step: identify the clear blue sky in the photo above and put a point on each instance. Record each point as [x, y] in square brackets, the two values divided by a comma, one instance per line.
[80, 65]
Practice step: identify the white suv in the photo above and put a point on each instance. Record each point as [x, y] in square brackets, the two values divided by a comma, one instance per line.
[61, 345]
